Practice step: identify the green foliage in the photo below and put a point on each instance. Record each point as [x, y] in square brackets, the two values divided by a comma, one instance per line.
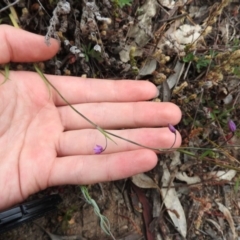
[123, 3]
[236, 44]
[69, 213]
[91, 53]
[209, 153]
[188, 58]
[236, 71]
[201, 61]
[67, 217]
[222, 116]
[236, 186]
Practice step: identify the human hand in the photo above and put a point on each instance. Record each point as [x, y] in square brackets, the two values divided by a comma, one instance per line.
[44, 143]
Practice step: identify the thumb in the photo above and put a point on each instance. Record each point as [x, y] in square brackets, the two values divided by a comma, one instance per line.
[18, 45]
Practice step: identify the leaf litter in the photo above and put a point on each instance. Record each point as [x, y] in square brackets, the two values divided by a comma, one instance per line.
[190, 50]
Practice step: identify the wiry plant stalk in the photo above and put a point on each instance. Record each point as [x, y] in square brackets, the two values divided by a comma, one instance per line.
[103, 131]
[107, 134]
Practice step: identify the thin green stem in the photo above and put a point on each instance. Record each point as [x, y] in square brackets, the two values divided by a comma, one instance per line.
[186, 152]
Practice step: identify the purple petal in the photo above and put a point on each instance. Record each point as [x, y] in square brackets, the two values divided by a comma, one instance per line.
[232, 126]
[172, 128]
[98, 149]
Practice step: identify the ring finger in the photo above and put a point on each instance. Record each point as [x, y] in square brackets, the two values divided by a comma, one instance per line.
[85, 140]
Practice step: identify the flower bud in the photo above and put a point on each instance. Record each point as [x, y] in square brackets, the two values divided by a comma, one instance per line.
[172, 128]
[232, 126]
[98, 149]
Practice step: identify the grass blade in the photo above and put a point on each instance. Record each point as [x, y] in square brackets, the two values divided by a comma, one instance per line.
[6, 73]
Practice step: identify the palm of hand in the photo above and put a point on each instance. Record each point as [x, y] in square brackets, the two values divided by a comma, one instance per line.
[44, 143]
[30, 130]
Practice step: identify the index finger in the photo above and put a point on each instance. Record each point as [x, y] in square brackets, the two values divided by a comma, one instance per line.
[18, 45]
[87, 90]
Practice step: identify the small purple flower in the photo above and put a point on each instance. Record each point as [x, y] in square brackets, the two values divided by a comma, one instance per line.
[98, 149]
[232, 126]
[172, 128]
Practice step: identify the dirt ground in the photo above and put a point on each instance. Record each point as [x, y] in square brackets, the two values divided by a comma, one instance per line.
[190, 51]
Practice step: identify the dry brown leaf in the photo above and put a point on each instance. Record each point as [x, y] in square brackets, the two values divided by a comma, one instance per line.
[172, 203]
[182, 176]
[147, 211]
[148, 68]
[228, 217]
[216, 225]
[125, 53]
[142, 31]
[143, 181]
[221, 175]
[171, 4]
[174, 78]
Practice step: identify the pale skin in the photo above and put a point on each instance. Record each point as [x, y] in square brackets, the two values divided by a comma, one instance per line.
[44, 143]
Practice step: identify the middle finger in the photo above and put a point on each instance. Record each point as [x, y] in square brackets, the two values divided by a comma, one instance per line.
[120, 115]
